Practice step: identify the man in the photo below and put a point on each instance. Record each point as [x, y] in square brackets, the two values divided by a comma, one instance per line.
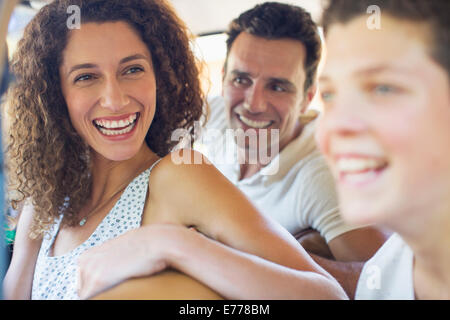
[273, 52]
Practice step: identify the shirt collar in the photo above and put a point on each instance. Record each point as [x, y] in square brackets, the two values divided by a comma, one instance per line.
[292, 153]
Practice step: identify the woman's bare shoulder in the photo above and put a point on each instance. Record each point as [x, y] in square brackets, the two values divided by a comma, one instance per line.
[183, 169]
[184, 159]
[192, 192]
[176, 186]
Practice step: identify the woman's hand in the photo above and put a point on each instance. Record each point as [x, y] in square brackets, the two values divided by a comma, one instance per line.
[137, 253]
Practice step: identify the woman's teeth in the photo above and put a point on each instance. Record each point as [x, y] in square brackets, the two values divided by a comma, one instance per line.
[112, 127]
[255, 124]
[111, 124]
[116, 132]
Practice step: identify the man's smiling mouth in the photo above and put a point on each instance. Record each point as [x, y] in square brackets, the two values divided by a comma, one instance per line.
[254, 123]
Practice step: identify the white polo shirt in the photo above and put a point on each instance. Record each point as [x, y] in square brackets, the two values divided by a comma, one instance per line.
[296, 188]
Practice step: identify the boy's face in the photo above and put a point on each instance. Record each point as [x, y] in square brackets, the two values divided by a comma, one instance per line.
[386, 126]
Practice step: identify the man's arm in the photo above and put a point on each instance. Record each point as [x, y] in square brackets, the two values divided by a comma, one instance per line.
[314, 243]
[346, 273]
[349, 252]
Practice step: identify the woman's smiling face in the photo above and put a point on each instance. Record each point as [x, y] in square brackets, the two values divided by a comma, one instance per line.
[109, 85]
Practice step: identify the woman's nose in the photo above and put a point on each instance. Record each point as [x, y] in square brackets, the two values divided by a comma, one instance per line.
[113, 96]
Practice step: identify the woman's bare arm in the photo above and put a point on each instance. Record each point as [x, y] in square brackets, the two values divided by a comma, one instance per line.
[258, 259]
[238, 275]
[198, 195]
[19, 277]
[230, 273]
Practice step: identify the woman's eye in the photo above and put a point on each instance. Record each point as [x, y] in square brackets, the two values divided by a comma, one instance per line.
[83, 77]
[134, 70]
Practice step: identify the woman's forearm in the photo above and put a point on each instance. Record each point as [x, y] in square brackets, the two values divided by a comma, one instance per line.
[17, 282]
[229, 272]
[238, 275]
[19, 277]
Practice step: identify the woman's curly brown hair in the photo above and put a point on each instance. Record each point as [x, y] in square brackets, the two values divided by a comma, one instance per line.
[48, 161]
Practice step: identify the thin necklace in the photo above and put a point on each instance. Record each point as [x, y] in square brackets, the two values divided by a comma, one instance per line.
[98, 207]
[109, 198]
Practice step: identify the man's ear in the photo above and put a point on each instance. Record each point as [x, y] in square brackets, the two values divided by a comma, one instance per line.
[223, 77]
[309, 96]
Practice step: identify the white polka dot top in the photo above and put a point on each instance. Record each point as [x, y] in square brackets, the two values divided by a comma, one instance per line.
[55, 277]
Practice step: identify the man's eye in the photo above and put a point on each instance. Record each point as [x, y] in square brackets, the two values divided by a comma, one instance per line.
[241, 81]
[278, 88]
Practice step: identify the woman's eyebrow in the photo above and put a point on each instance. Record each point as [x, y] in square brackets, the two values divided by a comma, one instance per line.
[81, 66]
[134, 57]
[122, 61]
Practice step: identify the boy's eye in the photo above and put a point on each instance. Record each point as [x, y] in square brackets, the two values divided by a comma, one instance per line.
[326, 96]
[387, 89]
[384, 89]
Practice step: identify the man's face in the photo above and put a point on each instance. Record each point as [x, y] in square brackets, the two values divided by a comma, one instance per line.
[263, 87]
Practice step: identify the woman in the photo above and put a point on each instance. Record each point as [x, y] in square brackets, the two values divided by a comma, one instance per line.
[94, 109]
[385, 132]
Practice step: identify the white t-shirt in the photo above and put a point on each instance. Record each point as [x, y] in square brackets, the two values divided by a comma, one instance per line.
[388, 275]
[295, 188]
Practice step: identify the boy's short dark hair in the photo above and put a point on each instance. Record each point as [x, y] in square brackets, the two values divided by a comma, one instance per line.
[435, 13]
